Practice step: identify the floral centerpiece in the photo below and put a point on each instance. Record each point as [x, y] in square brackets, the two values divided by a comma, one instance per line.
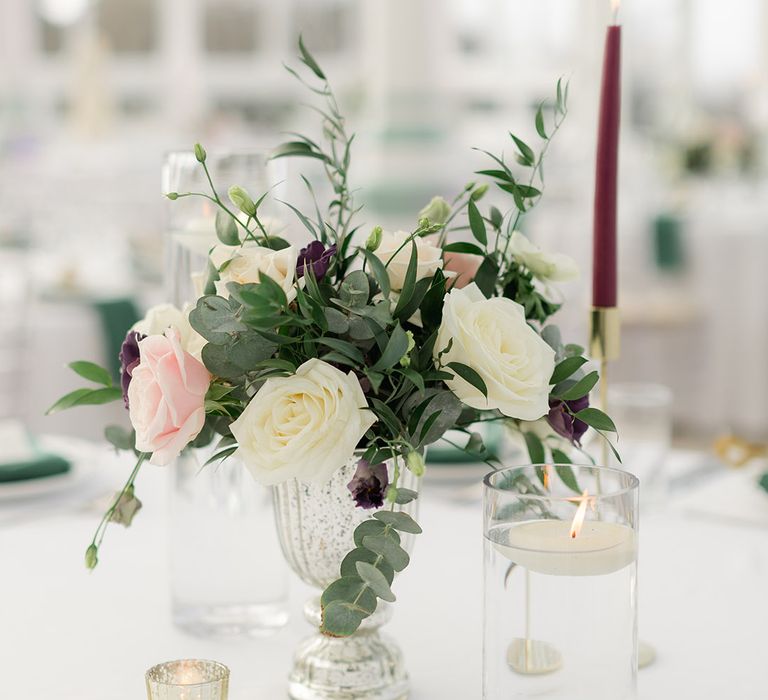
[363, 342]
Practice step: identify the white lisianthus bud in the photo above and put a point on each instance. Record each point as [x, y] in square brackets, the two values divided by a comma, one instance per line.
[173, 196]
[415, 462]
[437, 211]
[200, 153]
[478, 193]
[91, 556]
[374, 240]
[242, 200]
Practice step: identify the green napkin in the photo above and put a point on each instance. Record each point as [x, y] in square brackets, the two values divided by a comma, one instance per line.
[443, 453]
[36, 467]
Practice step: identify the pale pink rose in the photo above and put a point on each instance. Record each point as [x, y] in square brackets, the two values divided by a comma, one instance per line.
[464, 265]
[166, 397]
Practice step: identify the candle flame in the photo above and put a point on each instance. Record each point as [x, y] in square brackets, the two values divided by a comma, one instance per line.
[581, 512]
[546, 477]
[615, 4]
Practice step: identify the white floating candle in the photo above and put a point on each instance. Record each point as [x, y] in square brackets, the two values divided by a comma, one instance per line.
[548, 547]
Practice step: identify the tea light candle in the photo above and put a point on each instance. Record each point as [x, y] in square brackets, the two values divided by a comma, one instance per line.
[188, 679]
[548, 547]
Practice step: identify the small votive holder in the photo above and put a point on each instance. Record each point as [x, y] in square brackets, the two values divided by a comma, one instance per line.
[188, 679]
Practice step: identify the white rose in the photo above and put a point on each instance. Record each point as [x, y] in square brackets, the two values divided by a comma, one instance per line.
[246, 263]
[164, 316]
[305, 426]
[428, 255]
[553, 267]
[493, 338]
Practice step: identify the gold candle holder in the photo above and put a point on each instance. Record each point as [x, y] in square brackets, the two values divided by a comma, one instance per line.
[188, 679]
[604, 333]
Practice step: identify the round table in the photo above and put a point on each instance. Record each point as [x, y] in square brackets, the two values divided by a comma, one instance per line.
[69, 634]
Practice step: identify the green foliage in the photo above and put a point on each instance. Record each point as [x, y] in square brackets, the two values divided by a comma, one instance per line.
[88, 397]
[367, 572]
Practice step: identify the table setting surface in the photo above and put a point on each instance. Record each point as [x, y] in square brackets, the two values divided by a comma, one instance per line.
[69, 633]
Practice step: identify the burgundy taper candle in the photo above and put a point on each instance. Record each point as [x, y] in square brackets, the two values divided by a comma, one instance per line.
[604, 232]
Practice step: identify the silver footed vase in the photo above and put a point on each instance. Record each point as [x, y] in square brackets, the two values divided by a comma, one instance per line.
[315, 525]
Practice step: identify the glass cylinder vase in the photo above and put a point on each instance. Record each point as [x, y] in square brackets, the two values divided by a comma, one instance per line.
[315, 523]
[191, 221]
[560, 618]
[228, 576]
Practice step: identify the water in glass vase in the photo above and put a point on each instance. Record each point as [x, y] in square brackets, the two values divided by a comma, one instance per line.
[560, 617]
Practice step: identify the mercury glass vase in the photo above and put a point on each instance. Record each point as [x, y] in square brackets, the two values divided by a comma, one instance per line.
[315, 524]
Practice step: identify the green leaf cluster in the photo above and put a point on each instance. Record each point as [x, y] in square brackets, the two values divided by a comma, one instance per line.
[367, 572]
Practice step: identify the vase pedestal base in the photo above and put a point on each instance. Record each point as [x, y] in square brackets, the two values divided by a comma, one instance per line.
[364, 666]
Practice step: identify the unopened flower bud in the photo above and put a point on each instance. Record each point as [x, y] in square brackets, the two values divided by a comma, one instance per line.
[478, 193]
[469, 186]
[437, 211]
[415, 462]
[173, 196]
[200, 153]
[242, 200]
[374, 240]
[91, 556]
[405, 361]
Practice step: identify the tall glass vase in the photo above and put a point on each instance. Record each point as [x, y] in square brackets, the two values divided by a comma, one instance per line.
[227, 574]
[315, 523]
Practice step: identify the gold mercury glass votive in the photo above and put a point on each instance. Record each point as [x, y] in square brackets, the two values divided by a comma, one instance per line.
[188, 679]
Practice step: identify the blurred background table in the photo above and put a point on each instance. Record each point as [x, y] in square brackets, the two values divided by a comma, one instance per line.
[66, 633]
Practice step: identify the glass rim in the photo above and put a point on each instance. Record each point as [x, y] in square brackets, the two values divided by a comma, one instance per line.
[633, 484]
[221, 672]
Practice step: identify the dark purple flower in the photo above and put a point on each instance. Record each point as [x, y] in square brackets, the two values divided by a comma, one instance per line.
[129, 360]
[369, 484]
[317, 257]
[563, 423]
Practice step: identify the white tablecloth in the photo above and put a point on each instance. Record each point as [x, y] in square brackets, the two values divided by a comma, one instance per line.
[72, 635]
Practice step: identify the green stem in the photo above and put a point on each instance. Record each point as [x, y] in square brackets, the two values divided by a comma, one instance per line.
[102, 527]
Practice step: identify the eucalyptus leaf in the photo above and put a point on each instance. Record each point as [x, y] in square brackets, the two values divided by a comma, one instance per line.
[337, 321]
[353, 590]
[398, 520]
[340, 619]
[375, 579]
[120, 437]
[367, 527]
[388, 548]
[355, 289]
[349, 563]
